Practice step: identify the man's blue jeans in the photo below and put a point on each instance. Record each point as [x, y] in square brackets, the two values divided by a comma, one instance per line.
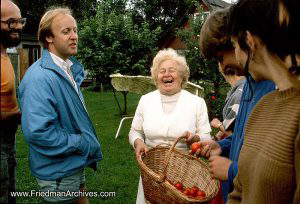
[8, 161]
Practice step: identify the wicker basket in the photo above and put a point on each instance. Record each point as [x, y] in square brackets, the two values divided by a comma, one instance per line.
[161, 163]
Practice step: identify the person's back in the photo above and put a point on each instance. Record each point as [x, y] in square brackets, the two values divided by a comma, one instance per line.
[267, 45]
[270, 151]
[233, 76]
[232, 145]
[232, 102]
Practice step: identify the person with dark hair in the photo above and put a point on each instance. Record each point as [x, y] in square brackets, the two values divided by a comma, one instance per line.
[267, 44]
[11, 27]
[55, 122]
[232, 101]
[215, 42]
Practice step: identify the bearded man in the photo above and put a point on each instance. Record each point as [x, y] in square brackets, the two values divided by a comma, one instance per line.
[11, 26]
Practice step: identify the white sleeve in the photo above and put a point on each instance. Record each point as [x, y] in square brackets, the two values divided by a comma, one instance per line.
[136, 130]
[203, 128]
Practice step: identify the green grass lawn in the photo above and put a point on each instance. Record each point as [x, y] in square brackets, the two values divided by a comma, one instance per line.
[118, 172]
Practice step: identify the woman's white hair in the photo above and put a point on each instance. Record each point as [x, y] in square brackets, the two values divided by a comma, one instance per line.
[170, 54]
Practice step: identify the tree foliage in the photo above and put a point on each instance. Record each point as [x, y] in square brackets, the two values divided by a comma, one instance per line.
[167, 14]
[203, 71]
[111, 42]
[123, 35]
[33, 10]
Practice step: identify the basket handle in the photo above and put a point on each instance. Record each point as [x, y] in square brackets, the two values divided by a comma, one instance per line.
[164, 172]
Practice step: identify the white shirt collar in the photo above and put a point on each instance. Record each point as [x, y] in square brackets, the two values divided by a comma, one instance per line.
[60, 62]
[66, 67]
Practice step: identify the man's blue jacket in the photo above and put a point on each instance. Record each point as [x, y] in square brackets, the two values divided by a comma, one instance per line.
[232, 145]
[55, 123]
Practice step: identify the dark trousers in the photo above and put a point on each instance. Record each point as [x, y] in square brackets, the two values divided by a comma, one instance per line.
[8, 161]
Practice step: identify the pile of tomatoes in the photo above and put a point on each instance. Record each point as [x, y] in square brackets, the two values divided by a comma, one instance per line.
[193, 192]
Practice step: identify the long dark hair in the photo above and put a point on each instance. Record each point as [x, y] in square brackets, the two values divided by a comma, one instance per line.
[275, 22]
[247, 74]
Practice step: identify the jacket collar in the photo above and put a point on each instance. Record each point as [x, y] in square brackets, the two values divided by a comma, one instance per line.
[76, 68]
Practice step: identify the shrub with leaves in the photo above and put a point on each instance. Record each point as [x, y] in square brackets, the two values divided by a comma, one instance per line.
[110, 42]
[203, 72]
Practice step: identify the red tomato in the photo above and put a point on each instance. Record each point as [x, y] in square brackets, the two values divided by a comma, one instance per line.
[187, 191]
[178, 185]
[195, 187]
[201, 194]
[194, 192]
[195, 147]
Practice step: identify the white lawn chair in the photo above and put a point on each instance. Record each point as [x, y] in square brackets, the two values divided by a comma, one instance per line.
[142, 85]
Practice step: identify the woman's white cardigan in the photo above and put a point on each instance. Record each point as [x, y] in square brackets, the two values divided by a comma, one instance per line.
[189, 114]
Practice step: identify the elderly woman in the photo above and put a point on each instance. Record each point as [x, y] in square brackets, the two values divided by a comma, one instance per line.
[169, 112]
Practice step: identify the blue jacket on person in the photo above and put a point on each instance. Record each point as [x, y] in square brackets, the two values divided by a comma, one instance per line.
[55, 123]
[232, 144]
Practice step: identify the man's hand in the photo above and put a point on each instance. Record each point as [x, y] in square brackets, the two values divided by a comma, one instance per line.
[218, 167]
[140, 147]
[215, 123]
[208, 148]
[220, 135]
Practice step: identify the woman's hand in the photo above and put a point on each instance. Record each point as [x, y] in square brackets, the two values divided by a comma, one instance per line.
[191, 138]
[140, 147]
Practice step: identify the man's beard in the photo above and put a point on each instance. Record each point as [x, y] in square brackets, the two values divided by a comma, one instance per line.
[7, 40]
